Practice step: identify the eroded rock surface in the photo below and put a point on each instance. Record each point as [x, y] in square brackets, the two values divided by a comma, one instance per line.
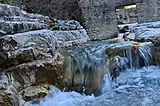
[29, 53]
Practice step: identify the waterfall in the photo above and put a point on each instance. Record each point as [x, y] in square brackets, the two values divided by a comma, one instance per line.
[86, 65]
[127, 55]
[88, 61]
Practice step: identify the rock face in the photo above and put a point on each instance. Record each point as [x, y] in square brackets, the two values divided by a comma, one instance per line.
[29, 53]
[33, 92]
[148, 10]
[8, 93]
[98, 17]
[60, 9]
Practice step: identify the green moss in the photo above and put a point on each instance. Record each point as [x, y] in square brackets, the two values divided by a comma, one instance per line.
[112, 41]
[55, 26]
[4, 1]
[114, 52]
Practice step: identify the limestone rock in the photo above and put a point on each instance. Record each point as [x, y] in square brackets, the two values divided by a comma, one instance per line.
[35, 92]
[148, 32]
[11, 12]
[66, 25]
[10, 27]
[39, 71]
[14, 20]
[26, 47]
[29, 53]
[8, 93]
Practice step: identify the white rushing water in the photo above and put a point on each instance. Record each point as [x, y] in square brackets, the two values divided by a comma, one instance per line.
[131, 88]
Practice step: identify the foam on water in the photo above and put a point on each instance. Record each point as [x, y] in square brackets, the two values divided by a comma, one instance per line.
[140, 87]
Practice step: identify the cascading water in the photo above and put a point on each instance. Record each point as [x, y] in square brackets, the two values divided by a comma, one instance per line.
[133, 86]
[84, 64]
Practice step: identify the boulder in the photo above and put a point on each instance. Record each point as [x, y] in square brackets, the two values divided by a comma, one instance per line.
[35, 92]
[25, 47]
[148, 32]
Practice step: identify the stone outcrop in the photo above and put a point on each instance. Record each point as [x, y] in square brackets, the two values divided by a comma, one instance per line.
[100, 18]
[8, 93]
[35, 92]
[29, 53]
[97, 16]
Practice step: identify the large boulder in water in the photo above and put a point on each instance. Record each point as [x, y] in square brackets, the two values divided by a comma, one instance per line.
[35, 92]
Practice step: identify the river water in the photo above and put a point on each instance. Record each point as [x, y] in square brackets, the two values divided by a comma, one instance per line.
[133, 86]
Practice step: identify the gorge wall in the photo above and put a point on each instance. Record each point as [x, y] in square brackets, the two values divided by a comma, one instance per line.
[97, 16]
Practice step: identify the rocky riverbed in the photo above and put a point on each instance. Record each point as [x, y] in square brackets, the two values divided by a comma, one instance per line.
[43, 60]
